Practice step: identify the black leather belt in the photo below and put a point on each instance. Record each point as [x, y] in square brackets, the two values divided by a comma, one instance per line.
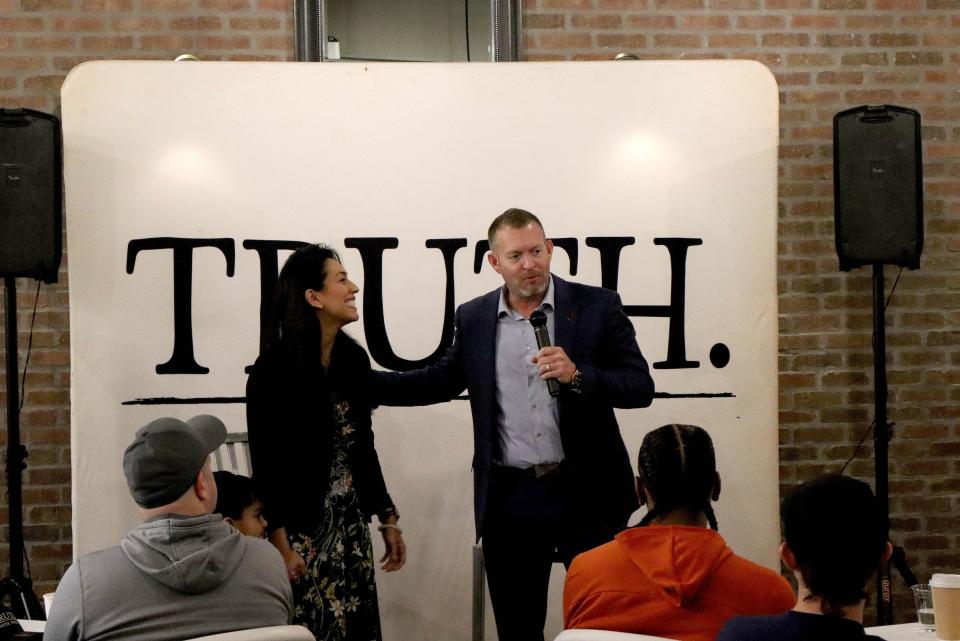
[538, 471]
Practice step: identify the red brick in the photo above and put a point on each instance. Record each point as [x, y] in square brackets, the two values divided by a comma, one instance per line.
[106, 43]
[893, 40]
[47, 5]
[274, 42]
[679, 5]
[49, 43]
[847, 40]
[136, 23]
[918, 58]
[732, 41]
[866, 59]
[576, 5]
[78, 23]
[550, 40]
[651, 22]
[924, 21]
[19, 63]
[815, 22]
[810, 60]
[196, 23]
[842, 5]
[792, 78]
[24, 23]
[223, 42]
[868, 22]
[43, 83]
[677, 40]
[533, 21]
[704, 22]
[628, 40]
[761, 22]
[871, 96]
[168, 42]
[165, 6]
[602, 21]
[898, 5]
[107, 5]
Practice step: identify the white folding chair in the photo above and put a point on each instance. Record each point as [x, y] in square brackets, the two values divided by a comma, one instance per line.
[272, 633]
[604, 635]
[233, 455]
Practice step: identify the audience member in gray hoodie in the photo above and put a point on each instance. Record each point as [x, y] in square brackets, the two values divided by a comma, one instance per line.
[183, 572]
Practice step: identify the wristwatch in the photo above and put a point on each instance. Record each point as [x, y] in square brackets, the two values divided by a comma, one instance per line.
[576, 382]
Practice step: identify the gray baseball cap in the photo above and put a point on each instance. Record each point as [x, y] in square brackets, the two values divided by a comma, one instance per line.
[166, 455]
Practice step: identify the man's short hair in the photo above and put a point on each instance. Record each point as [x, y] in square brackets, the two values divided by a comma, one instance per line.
[167, 454]
[513, 218]
[834, 528]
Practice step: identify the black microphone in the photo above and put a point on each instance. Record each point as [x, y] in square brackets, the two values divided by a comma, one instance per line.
[539, 321]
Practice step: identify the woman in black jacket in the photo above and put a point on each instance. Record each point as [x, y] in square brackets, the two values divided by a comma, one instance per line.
[312, 448]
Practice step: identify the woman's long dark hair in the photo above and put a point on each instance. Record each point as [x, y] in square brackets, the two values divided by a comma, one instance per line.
[293, 322]
[678, 466]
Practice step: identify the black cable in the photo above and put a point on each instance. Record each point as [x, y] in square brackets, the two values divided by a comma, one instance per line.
[23, 384]
[856, 450]
[893, 289]
[873, 339]
[26, 360]
[466, 22]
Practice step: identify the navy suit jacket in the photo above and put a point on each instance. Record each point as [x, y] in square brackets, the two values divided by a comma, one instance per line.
[593, 329]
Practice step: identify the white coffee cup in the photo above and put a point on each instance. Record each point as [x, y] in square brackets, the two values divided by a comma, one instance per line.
[48, 602]
[946, 605]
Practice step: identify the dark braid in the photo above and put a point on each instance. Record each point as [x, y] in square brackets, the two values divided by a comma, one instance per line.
[678, 465]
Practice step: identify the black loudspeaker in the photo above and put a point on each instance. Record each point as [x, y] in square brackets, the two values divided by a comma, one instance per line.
[878, 186]
[31, 194]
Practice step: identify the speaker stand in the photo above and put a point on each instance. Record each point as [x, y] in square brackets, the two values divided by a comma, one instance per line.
[881, 439]
[16, 452]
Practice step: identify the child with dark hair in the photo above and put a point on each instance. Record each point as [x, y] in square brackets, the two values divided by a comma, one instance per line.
[673, 575]
[835, 541]
[238, 504]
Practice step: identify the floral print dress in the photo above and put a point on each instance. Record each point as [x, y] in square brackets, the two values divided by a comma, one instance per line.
[337, 598]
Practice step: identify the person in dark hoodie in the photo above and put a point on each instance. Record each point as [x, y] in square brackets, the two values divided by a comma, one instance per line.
[672, 576]
[183, 572]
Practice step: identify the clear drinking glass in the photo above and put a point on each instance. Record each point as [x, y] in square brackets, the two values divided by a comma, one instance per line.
[923, 597]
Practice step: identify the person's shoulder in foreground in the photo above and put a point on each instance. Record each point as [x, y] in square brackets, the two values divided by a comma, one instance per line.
[794, 626]
[834, 541]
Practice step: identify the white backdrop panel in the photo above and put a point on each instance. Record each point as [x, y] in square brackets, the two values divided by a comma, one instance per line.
[247, 151]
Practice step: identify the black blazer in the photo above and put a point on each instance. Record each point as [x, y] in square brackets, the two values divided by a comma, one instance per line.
[592, 327]
[290, 426]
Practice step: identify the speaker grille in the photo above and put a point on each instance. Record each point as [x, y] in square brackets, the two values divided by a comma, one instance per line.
[878, 186]
[31, 194]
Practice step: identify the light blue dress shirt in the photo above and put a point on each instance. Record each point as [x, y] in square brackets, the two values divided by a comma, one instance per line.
[528, 418]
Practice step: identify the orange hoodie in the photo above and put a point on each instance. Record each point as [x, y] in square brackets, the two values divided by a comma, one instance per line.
[671, 581]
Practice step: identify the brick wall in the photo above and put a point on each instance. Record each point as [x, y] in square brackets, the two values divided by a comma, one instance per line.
[827, 55]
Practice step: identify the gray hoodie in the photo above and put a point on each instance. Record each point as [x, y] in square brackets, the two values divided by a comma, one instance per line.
[172, 578]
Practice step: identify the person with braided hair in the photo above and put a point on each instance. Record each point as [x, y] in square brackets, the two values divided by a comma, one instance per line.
[673, 575]
[835, 541]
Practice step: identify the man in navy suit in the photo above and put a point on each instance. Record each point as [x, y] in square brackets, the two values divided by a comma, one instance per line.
[552, 476]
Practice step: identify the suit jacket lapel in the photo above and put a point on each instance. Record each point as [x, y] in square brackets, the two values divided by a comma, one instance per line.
[565, 315]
